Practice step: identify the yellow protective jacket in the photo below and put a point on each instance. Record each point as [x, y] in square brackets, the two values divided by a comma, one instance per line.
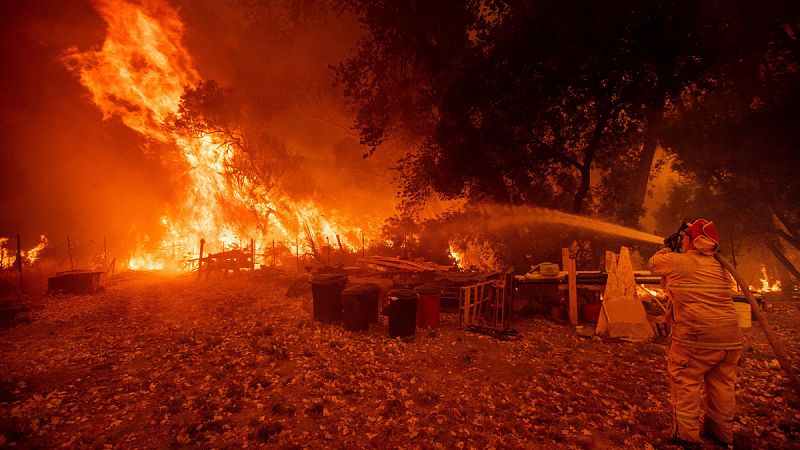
[702, 312]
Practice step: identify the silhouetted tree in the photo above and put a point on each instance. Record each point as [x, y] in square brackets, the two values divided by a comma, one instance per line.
[738, 140]
[524, 101]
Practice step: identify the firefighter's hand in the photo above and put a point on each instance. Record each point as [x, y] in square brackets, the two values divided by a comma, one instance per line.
[664, 250]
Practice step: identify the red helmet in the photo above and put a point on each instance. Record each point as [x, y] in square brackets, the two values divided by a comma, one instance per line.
[703, 236]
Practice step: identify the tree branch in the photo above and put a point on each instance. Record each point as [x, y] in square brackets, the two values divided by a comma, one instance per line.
[776, 251]
[789, 238]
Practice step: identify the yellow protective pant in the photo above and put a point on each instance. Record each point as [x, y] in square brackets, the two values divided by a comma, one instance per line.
[690, 368]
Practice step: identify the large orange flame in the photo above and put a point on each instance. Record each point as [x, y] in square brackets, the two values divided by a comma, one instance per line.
[8, 256]
[138, 76]
[456, 256]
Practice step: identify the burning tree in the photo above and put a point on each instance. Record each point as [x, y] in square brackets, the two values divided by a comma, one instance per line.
[230, 189]
[259, 161]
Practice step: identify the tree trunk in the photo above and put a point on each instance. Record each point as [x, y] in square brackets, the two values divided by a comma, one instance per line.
[790, 234]
[776, 251]
[641, 179]
[733, 253]
[789, 238]
[583, 190]
[588, 158]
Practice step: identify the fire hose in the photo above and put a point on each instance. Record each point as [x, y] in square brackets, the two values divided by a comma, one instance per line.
[783, 360]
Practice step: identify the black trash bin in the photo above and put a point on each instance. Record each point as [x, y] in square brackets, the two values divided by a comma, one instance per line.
[402, 311]
[355, 308]
[327, 293]
[373, 294]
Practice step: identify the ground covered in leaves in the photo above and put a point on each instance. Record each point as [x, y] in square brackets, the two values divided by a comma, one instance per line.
[165, 362]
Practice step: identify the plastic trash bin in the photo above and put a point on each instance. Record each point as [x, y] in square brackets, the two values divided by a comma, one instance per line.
[428, 307]
[326, 291]
[355, 308]
[402, 311]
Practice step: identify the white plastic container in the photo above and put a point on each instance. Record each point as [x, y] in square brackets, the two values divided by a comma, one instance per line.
[743, 310]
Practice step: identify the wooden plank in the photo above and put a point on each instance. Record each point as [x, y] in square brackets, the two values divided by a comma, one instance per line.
[467, 294]
[625, 278]
[497, 295]
[479, 303]
[572, 278]
[393, 264]
[610, 260]
[461, 305]
[624, 313]
[388, 260]
[509, 299]
[473, 300]
[609, 291]
[625, 321]
[573, 292]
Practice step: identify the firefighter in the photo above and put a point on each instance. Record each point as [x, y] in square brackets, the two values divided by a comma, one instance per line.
[705, 341]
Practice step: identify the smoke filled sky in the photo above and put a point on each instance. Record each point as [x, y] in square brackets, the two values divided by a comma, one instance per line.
[67, 170]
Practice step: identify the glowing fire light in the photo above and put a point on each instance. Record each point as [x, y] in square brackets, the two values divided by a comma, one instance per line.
[138, 76]
[765, 284]
[8, 256]
[457, 257]
[652, 292]
[475, 253]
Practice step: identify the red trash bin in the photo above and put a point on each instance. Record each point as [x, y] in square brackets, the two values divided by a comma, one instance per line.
[429, 305]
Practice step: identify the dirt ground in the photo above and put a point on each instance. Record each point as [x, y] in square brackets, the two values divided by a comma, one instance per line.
[156, 362]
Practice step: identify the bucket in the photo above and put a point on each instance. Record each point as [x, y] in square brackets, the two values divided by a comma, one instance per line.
[326, 291]
[355, 308]
[557, 313]
[402, 311]
[428, 306]
[743, 311]
[590, 312]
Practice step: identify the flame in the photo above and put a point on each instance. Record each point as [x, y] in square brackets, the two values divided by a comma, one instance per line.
[475, 252]
[765, 284]
[458, 258]
[8, 257]
[138, 76]
[33, 254]
[654, 292]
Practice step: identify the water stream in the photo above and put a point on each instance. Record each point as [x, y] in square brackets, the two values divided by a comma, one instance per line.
[502, 216]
